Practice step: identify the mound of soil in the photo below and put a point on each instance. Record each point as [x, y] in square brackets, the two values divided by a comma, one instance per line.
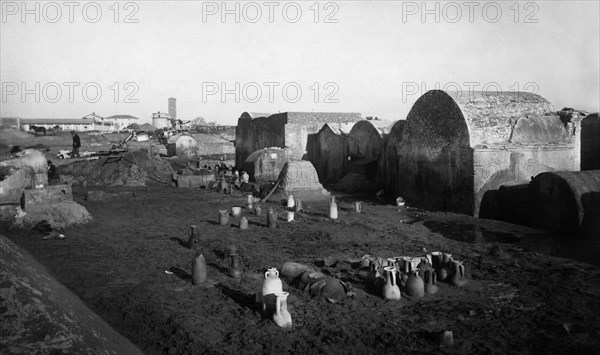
[130, 169]
[41, 316]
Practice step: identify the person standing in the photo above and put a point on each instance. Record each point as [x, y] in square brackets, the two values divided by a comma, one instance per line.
[76, 144]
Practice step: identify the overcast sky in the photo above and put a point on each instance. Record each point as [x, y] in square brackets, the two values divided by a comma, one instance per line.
[372, 57]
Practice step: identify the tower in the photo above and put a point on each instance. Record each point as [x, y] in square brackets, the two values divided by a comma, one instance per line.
[172, 108]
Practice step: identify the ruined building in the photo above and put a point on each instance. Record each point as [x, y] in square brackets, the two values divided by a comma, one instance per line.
[284, 130]
[458, 148]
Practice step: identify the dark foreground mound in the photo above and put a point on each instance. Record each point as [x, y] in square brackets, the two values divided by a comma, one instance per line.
[41, 316]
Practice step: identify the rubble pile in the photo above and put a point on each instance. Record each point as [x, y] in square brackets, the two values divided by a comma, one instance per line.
[130, 169]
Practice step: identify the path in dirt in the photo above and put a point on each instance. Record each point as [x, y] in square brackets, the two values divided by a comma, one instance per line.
[516, 300]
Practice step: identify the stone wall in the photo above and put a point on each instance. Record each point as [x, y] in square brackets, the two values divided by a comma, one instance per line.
[567, 202]
[389, 160]
[494, 167]
[253, 134]
[590, 142]
[286, 130]
[436, 161]
[329, 154]
[457, 147]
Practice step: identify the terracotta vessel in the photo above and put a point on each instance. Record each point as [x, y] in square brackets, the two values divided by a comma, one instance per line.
[357, 206]
[235, 265]
[437, 260]
[415, 287]
[271, 285]
[390, 290]
[272, 219]
[282, 316]
[372, 275]
[405, 265]
[290, 201]
[236, 211]
[194, 238]
[298, 206]
[290, 216]
[199, 272]
[423, 266]
[333, 211]
[431, 282]
[458, 274]
[257, 210]
[223, 217]
[244, 223]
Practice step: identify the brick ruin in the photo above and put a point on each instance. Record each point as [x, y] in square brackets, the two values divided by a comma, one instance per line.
[284, 130]
[458, 147]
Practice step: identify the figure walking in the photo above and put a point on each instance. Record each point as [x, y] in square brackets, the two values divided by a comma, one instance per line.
[76, 145]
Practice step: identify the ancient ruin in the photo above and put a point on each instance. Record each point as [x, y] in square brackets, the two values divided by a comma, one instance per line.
[458, 147]
[328, 151]
[284, 130]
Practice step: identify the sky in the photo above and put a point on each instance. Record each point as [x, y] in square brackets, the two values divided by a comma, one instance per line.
[219, 59]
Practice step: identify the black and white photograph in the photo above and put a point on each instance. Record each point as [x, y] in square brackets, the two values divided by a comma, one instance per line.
[299, 177]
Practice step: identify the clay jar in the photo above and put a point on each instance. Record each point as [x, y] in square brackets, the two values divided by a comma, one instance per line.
[223, 217]
[458, 274]
[333, 211]
[257, 210]
[404, 262]
[244, 223]
[282, 316]
[357, 206]
[290, 216]
[372, 275]
[272, 219]
[271, 285]
[390, 290]
[298, 206]
[236, 211]
[423, 266]
[431, 282]
[194, 238]
[235, 265]
[437, 260]
[290, 201]
[199, 272]
[415, 287]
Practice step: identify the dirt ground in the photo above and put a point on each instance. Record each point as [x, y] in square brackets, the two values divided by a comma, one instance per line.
[518, 300]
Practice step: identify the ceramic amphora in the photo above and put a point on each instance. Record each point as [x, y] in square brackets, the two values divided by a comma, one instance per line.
[390, 290]
[282, 316]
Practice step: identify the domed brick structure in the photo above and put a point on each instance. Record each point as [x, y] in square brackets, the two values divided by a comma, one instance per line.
[458, 146]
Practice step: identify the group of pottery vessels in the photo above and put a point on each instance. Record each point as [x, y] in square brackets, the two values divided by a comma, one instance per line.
[412, 276]
[274, 299]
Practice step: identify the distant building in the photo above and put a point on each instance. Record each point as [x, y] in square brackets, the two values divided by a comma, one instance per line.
[121, 121]
[173, 107]
[67, 124]
[161, 120]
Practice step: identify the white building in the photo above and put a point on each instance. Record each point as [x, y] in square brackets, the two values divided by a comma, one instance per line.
[121, 121]
[161, 120]
[68, 124]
